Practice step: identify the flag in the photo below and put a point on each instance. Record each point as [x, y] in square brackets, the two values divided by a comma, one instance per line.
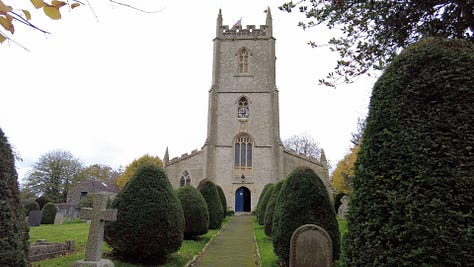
[238, 23]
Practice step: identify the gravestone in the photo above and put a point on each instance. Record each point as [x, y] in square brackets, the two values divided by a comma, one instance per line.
[343, 207]
[98, 215]
[34, 217]
[310, 246]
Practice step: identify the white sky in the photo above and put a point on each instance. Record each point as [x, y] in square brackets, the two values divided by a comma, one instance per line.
[112, 89]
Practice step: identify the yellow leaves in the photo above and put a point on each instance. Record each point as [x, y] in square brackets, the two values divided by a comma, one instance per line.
[27, 14]
[4, 8]
[38, 3]
[2, 38]
[6, 23]
[58, 4]
[52, 11]
[74, 5]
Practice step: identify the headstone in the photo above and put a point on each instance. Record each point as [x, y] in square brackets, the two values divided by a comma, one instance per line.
[98, 215]
[34, 218]
[310, 246]
[343, 207]
[59, 219]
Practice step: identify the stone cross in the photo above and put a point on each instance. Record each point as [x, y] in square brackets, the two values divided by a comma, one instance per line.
[98, 215]
[310, 246]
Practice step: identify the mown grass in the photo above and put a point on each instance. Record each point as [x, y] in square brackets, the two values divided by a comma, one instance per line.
[265, 244]
[79, 232]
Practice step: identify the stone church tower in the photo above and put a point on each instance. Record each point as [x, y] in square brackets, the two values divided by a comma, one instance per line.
[243, 150]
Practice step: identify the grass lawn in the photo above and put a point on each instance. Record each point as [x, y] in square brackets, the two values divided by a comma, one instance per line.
[265, 244]
[79, 232]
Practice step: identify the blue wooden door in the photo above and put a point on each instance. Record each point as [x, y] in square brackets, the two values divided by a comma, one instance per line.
[239, 199]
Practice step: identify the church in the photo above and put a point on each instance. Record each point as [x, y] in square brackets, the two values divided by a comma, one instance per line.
[243, 151]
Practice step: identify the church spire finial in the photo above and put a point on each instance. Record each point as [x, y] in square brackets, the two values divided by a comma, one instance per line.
[166, 158]
[219, 22]
[269, 21]
[323, 159]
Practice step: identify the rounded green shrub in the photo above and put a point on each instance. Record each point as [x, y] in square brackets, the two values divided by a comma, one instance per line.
[223, 200]
[268, 220]
[29, 206]
[263, 204]
[264, 192]
[196, 215]
[49, 213]
[303, 199]
[208, 190]
[150, 220]
[13, 228]
[413, 191]
[42, 200]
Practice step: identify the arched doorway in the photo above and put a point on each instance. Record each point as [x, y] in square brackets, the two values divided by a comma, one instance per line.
[242, 200]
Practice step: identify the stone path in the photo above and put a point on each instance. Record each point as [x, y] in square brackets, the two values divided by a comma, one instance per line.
[234, 246]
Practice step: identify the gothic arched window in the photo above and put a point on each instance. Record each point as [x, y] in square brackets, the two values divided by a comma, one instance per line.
[243, 153]
[243, 61]
[185, 179]
[243, 109]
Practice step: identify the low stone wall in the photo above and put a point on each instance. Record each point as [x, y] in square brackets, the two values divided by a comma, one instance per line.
[43, 250]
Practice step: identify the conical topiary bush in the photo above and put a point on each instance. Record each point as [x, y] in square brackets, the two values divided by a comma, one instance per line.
[209, 191]
[196, 216]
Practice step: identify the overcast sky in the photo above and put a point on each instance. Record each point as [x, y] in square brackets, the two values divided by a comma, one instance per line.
[116, 85]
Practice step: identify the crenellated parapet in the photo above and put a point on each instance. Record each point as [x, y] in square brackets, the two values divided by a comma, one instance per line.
[227, 32]
[302, 156]
[184, 156]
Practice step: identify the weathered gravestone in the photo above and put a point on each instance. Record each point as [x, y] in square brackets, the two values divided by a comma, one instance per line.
[310, 246]
[98, 215]
[343, 207]
[34, 217]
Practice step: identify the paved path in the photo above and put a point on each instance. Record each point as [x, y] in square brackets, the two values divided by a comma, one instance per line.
[234, 246]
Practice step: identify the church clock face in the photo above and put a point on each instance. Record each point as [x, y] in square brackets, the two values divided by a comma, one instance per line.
[243, 113]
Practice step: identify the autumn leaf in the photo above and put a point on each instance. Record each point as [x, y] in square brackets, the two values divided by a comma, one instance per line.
[74, 5]
[38, 3]
[52, 12]
[6, 22]
[5, 8]
[58, 4]
[27, 14]
[2, 38]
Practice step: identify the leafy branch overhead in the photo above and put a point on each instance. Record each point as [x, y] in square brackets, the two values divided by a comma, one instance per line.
[10, 15]
[373, 32]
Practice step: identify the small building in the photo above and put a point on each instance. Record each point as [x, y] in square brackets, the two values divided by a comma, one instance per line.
[85, 187]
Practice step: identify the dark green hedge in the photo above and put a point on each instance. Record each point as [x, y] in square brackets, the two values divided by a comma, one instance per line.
[150, 220]
[412, 202]
[208, 190]
[42, 200]
[49, 213]
[264, 192]
[268, 220]
[223, 199]
[263, 204]
[29, 206]
[303, 199]
[13, 228]
[196, 216]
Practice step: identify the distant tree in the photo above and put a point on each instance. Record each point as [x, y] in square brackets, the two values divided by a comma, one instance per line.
[303, 144]
[208, 190]
[343, 175]
[13, 228]
[373, 32]
[53, 174]
[132, 167]
[196, 215]
[98, 172]
[150, 220]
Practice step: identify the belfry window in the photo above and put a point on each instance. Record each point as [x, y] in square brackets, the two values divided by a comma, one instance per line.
[185, 179]
[243, 109]
[243, 61]
[243, 154]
